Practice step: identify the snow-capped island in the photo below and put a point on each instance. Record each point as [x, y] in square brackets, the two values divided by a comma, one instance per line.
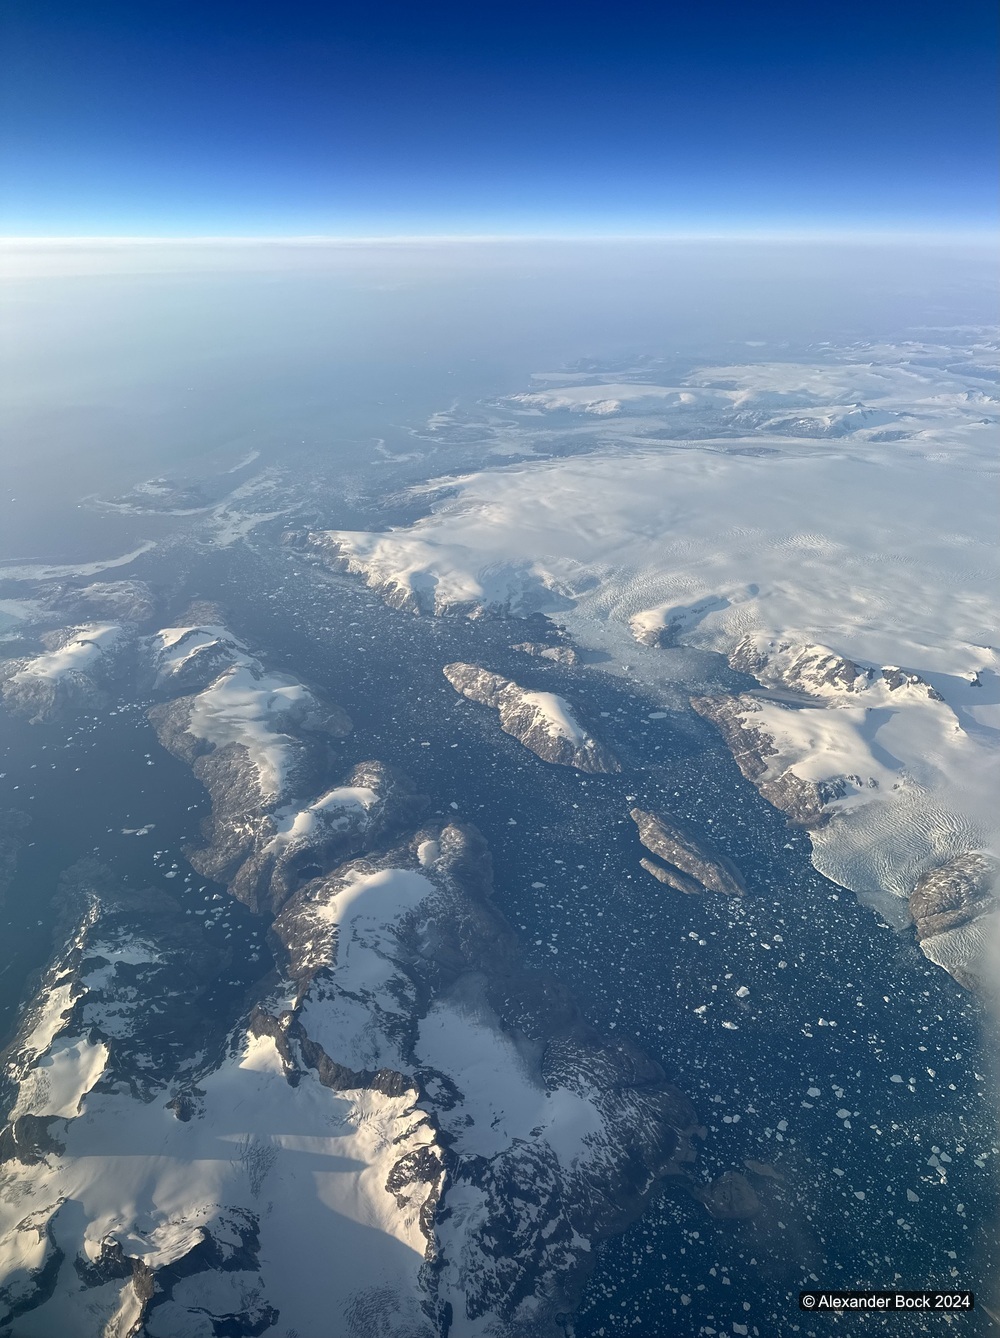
[542, 721]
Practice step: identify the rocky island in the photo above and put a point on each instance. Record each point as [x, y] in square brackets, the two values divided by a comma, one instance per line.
[558, 654]
[683, 860]
[542, 721]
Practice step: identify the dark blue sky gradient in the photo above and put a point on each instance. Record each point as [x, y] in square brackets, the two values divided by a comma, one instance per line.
[283, 118]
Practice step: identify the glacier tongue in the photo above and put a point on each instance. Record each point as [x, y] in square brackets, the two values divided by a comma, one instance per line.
[828, 520]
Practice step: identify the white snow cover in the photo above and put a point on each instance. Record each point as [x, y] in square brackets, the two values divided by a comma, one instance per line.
[354, 929]
[365, 912]
[860, 390]
[244, 704]
[606, 399]
[421, 575]
[303, 1166]
[54, 572]
[502, 1098]
[501, 1095]
[241, 707]
[337, 808]
[882, 550]
[310, 1163]
[303, 1169]
[62, 1078]
[174, 647]
[81, 654]
[554, 715]
[499, 1099]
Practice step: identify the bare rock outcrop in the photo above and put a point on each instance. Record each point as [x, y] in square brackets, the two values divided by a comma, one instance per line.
[77, 672]
[260, 744]
[542, 721]
[683, 860]
[956, 913]
[802, 800]
[820, 672]
[300, 842]
[730, 1195]
[567, 655]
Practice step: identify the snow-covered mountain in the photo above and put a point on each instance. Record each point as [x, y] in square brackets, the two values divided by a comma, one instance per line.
[827, 525]
[73, 674]
[403, 1097]
[407, 1102]
[398, 1128]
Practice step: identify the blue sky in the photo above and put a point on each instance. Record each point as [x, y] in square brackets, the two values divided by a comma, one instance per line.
[288, 118]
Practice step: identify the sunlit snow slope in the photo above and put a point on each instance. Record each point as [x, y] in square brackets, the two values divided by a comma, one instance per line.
[793, 515]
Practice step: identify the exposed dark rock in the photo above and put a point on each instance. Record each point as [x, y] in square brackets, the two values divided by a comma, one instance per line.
[120, 601]
[896, 678]
[29, 1288]
[248, 812]
[807, 668]
[954, 903]
[541, 721]
[560, 654]
[196, 658]
[731, 1195]
[747, 657]
[816, 670]
[140, 971]
[689, 864]
[953, 894]
[78, 671]
[455, 950]
[312, 841]
[802, 800]
[673, 877]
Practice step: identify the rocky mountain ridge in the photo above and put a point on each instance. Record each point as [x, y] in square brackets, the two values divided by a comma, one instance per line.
[794, 749]
[487, 1185]
[403, 1094]
[419, 578]
[804, 801]
[75, 672]
[956, 913]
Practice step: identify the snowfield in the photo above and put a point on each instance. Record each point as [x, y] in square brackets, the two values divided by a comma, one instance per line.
[288, 1178]
[797, 519]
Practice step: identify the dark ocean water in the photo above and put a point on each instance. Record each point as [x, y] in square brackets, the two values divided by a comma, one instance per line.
[838, 1002]
[115, 379]
[90, 789]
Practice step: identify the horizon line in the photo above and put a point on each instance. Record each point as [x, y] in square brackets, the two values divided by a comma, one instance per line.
[857, 233]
